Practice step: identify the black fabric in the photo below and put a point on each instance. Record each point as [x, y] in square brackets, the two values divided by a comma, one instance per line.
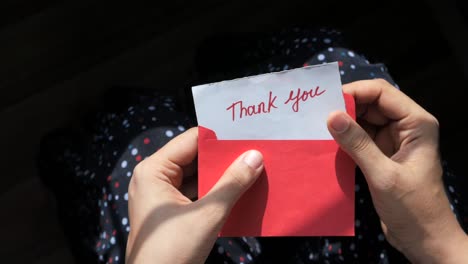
[88, 167]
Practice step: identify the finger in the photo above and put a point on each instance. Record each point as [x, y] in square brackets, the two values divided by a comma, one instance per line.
[357, 143]
[170, 161]
[240, 175]
[181, 150]
[390, 102]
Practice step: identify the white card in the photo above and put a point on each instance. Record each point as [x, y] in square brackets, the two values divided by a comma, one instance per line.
[287, 105]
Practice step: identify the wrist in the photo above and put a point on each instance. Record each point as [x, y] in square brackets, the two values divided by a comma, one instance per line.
[451, 247]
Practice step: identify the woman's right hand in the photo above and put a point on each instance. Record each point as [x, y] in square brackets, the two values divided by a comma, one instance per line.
[396, 147]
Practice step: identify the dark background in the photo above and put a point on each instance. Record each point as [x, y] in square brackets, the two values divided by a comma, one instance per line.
[57, 58]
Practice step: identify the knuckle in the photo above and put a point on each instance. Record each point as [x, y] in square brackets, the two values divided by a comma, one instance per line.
[382, 82]
[138, 173]
[432, 120]
[427, 121]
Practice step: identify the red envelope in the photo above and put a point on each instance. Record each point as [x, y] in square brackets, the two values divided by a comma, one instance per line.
[307, 188]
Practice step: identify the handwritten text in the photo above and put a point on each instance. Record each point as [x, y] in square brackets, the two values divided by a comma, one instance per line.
[252, 109]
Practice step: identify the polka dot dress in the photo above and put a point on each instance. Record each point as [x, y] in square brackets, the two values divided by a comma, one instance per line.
[89, 168]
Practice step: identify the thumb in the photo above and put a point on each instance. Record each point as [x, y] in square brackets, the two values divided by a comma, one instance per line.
[357, 143]
[240, 175]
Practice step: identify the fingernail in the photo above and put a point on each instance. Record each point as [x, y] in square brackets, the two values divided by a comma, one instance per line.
[253, 159]
[339, 123]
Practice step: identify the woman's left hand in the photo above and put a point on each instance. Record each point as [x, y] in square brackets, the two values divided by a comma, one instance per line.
[166, 226]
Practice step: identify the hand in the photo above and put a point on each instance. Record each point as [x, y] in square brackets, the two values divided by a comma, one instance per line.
[397, 150]
[166, 226]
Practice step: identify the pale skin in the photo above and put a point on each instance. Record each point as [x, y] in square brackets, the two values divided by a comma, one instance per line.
[395, 143]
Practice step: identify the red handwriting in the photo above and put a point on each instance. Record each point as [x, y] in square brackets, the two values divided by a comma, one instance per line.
[251, 109]
[304, 96]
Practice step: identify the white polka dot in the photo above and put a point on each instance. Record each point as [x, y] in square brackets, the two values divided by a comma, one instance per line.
[311, 256]
[112, 240]
[220, 250]
[181, 128]
[381, 237]
[351, 54]
[249, 256]
[116, 197]
[116, 258]
[382, 255]
[169, 133]
[102, 212]
[352, 66]
[151, 108]
[451, 189]
[357, 223]
[326, 40]
[330, 49]
[352, 247]
[103, 235]
[126, 196]
[342, 72]
[124, 221]
[103, 246]
[129, 173]
[123, 164]
[111, 138]
[101, 257]
[109, 197]
[321, 57]
[128, 228]
[134, 151]
[153, 118]
[105, 204]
